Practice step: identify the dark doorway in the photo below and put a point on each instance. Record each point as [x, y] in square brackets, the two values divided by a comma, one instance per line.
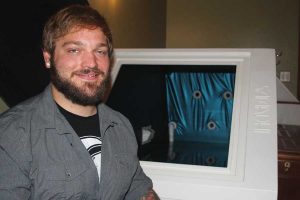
[22, 71]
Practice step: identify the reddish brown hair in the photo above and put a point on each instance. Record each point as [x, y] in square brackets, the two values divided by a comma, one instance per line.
[70, 17]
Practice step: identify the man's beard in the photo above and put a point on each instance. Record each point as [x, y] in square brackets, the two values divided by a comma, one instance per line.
[77, 94]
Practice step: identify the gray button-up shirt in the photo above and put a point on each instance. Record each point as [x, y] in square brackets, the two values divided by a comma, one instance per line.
[41, 157]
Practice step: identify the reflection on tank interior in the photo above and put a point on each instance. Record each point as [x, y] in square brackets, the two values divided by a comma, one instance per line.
[180, 114]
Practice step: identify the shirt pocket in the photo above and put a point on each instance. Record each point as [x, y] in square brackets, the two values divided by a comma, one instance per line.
[50, 182]
[63, 181]
[55, 173]
[61, 172]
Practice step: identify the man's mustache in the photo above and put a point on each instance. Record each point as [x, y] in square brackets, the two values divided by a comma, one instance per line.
[93, 70]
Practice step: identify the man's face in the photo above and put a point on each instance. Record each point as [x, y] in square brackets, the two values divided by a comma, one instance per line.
[80, 66]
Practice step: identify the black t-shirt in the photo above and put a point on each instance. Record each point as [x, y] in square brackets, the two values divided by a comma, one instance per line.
[88, 130]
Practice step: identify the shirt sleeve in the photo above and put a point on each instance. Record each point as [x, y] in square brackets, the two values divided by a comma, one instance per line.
[15, 159]
[14, 184]
[141, 183]
[140, 186]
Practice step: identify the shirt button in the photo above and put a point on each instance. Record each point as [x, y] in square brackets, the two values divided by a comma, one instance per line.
[68, 174]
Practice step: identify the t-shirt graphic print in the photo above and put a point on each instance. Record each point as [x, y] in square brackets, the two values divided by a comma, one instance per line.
[93, 145]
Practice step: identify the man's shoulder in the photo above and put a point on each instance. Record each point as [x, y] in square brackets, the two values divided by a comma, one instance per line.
[17, 116]
[15, 129]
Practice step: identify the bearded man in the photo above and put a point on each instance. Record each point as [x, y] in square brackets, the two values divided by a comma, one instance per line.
[65, 143]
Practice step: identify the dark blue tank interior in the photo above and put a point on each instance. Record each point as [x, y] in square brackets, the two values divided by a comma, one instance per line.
[197, 99]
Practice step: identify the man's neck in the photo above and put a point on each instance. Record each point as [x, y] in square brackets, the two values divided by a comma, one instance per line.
[68, 105]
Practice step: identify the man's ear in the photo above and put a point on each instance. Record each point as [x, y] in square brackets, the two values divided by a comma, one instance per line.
[47, 57]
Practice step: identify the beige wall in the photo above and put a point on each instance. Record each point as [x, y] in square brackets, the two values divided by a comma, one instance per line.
[207, 24]
[135, 23]
[237, 24]
[3, 106]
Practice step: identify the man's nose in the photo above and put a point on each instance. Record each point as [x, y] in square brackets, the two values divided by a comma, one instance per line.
[89, 59]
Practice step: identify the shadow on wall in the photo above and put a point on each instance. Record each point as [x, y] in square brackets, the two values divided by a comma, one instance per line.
[22, 71]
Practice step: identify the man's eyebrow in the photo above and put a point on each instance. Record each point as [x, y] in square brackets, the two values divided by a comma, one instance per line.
[72, 42]
[102, 45]
[81, 44]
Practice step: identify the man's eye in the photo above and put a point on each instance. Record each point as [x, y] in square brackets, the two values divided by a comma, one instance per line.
[102, 52]
[73, 50]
